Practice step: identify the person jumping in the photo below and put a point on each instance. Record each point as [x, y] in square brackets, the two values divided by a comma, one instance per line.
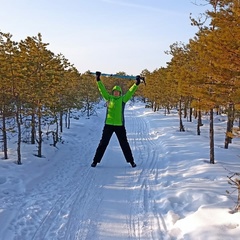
[114, 122]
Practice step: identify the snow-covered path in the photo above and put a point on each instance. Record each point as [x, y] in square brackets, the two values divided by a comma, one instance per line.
[172, 187]
[111, 201]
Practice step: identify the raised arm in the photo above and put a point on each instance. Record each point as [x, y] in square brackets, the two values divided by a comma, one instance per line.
[103, 91]
[132, 90]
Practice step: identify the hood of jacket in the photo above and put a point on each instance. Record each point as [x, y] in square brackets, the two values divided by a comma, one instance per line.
[117, 88]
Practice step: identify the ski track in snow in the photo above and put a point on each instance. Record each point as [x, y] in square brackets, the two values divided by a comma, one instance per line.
[88, 204]
[145, 212]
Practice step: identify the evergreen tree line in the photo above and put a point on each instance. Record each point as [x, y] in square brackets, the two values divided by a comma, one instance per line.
[38, 91]
[204, 74]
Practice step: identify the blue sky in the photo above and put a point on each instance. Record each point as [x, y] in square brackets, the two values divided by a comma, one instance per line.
[104, 35]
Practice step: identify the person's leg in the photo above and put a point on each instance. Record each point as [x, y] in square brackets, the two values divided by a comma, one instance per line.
[106, 136]
[122, 138]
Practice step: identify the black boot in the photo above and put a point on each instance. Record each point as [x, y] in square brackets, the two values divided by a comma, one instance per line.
[94, 164]
[133, 164]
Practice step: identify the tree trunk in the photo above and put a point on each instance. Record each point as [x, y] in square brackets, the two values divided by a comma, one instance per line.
[88, 109]
[154, 107]
[228, 139]
[67, 118]
[33, 130]
[168, 109]
[190, 114]
[55, 134]
[19, 139]
[185, 111]
[4, 132]
[211, 135]
[61, 121]
[199, 122]
[181, 127]
[39, 141]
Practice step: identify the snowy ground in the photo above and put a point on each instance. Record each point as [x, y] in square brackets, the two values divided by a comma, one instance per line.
[173, 193]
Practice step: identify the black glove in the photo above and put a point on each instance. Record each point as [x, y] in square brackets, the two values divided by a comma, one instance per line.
[98, 74]
[138, 80]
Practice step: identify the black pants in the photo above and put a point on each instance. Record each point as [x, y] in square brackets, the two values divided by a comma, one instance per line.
[120, 131]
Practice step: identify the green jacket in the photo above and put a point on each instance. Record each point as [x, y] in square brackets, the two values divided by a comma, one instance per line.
[115, 105]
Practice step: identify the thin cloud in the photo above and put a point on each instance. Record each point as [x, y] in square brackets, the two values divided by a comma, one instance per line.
[135, 5]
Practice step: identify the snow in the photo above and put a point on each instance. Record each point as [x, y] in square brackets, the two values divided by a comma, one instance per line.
[173, 193]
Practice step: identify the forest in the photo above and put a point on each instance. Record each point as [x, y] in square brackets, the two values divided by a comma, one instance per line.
[40, 90]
